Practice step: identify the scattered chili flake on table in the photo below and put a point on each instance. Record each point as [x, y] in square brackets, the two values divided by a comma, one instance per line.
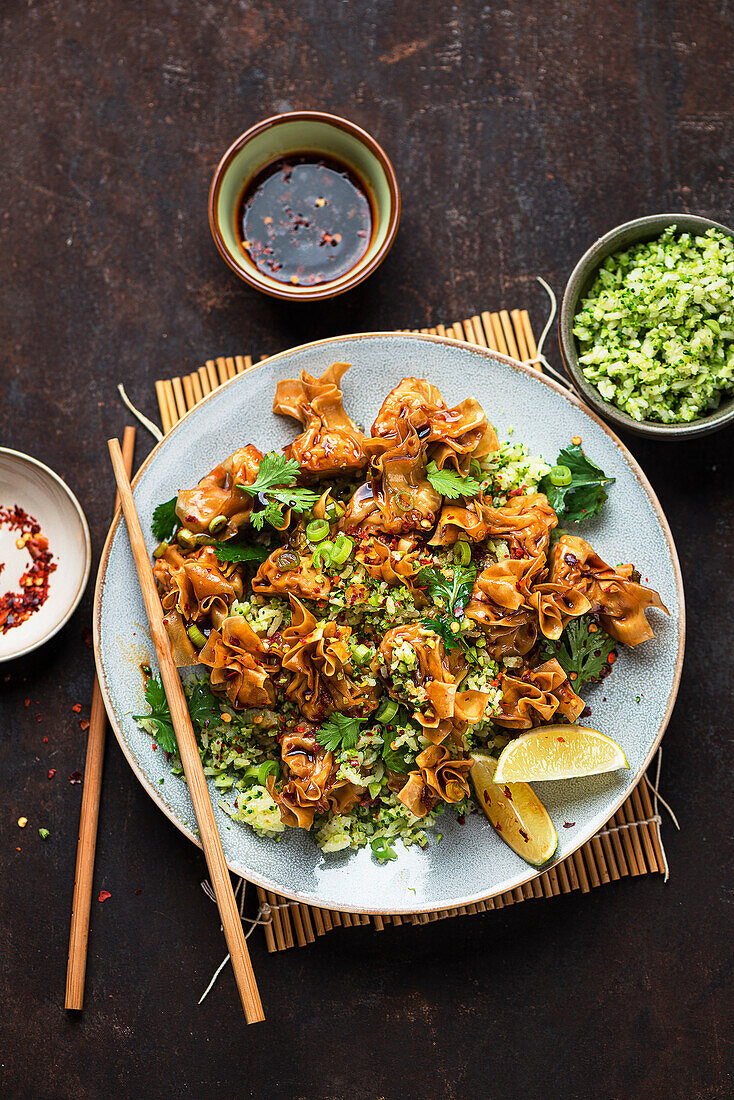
[77, 708]
[104, 895]
[75, 777]
[17, 607]
[84, 724]
[51, 773]
[568, 824]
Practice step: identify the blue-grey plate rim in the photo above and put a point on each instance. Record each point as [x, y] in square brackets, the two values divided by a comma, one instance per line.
[525, 872]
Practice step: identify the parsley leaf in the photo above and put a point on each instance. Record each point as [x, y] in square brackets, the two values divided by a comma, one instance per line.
[276, 479]
[339, 731]
[165, 521]
[585, 494]
[202, 705]
[582, 651]
[395, 759]
[451, 484]
[442, 627]
[237, 551]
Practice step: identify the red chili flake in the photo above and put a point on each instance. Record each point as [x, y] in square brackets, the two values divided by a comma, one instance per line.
[507, 793]
[561, 739]
[498, 827]
[154, 747]
[104, 895]
[568, 824]
[524, 835]
[45, 740]
[138, 893]
[461, 819]
[77, 708]
[17, 607]
[84, 724]
[486, 798]
[75, 777]
[612, 657]
[514, 493]
[26, 702]
[51, 773]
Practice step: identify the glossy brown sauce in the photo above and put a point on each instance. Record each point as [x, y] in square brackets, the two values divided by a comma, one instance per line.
[305, 220]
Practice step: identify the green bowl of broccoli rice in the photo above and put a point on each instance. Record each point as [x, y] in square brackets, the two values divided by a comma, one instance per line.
[646, 326]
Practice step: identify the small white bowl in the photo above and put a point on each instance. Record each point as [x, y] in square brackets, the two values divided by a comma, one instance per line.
[41, 493]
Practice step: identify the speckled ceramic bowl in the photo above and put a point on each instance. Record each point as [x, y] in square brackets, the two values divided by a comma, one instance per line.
[578, 286]
[471, 862]
[42, 494]
[288, 135]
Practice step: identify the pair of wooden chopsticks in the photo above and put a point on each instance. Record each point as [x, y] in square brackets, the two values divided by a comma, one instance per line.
[191, 761]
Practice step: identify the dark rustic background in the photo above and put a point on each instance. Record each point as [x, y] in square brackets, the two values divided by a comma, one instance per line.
[519, 132]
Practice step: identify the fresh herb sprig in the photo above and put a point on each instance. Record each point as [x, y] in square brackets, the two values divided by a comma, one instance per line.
[582, 651]
[202, 706]
[585, 493]
[165, 521]
[275, 484]
[339, 731]
[449, 483]
[237, 551]
[454, 593]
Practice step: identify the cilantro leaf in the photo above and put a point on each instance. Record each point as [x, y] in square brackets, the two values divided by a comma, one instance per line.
[159, 714]
[237, 551]
[451, 484]
[582, 651]
[275, 484]
[165, 521]
[274, 470]
[585, 494]
[339, 731]
[453, 592]
[202, 704]
[272, 513]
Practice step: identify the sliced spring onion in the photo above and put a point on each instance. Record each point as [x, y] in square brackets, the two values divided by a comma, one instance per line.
[196, 636]
[343, 547]
[160, 549]
[288, 559]
[269, 767]
[317, 530]
[362, 654]
[387, 710]
[403, 501]
[476, 470]
[560, 475]
[335, 511]
[382, 848]
[322, 555]
[217, 524]
[462, 553]
[186, 538]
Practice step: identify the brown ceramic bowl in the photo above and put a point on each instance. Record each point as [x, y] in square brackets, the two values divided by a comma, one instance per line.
[578, 286]
[290, 134]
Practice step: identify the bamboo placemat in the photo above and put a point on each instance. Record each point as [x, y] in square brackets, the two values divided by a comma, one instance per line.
[629, 844]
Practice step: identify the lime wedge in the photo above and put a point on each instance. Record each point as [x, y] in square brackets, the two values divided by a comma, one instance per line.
[516, 812]
[558, 752]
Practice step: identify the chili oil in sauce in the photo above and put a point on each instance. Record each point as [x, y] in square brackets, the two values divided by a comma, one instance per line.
[305, 220]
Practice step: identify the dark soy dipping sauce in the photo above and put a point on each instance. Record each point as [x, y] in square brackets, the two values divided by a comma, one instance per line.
[305, 220]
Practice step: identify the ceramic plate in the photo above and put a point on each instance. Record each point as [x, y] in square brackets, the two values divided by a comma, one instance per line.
[43, 495]
[471, 862]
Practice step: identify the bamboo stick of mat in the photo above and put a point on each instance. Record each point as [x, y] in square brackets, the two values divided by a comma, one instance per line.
[88, 819]
[189, 753]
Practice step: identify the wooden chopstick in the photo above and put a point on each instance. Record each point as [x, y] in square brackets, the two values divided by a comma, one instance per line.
[89, 817]
[189, 752]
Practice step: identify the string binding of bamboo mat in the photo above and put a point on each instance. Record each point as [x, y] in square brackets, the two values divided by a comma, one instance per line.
[628, 845]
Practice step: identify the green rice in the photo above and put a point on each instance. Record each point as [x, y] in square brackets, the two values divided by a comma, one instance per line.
[656, 330]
